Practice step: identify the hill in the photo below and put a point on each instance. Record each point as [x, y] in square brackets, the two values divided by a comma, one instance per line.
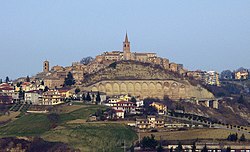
[143, 80]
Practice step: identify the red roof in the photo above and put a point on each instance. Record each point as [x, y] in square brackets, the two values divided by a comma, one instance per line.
[25, 83]
[7, 88]
[119, 111]
[33, 91]
[4, 85]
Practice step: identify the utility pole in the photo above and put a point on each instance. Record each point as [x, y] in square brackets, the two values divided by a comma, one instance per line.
[124, 146]
[139, 138]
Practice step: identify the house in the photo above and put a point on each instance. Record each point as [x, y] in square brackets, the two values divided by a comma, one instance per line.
[9, 91]
[65, 92]
[212, 78]
[26, 86]
[115, 99]
[150, 122]
[142, 123]
[139, 103]
[52, 97]
[5, 99]
[161, 108]
[33, 96]
[241, 75]
[126, 106]
[119, 113]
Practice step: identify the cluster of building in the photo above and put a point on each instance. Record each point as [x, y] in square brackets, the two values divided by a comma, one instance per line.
[207, 77]
[31, 93]
[108, 57]
[122, 105]
[55, 77]
[240, 74]
[156, 122]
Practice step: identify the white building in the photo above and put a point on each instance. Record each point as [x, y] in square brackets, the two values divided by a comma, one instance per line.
[33, 97]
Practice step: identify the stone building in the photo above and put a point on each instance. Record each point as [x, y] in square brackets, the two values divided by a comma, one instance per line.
[46, 66]
[108, 57]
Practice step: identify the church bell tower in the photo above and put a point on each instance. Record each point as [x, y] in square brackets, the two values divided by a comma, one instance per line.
[46, 66]
[126, 49]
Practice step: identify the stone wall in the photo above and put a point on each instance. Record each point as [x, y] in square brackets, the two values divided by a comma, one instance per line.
[142, 79]
[150, 88]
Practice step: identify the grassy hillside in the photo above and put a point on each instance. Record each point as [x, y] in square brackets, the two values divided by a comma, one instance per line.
[86, 136]
[214, 134]
[26, 125]
[93, 137]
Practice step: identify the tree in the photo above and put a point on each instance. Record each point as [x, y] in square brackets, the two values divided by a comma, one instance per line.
[27, 79]
[83, 97]
[86, 60]
[7, 79]
[46, 89]
[171, 149]
[226, 74]
[242, 138]
[179, 148]
[232, 137]
[1, 81]
[149, 142]
[88, 97]
[241, 99]
[69, 80]
[18, 84]
[228, 149]
[77, 90]
[98, 98]
[133, 100]
[204, 149]
[21, 93]
[151, 110]
[193, 147]
[160, 148]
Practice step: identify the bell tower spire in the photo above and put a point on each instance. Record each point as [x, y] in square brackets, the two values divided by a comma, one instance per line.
[126, 48]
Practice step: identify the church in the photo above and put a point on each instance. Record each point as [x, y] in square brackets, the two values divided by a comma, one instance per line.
[126, 54]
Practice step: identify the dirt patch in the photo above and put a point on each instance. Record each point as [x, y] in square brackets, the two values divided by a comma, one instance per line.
[69, 108]
[77, 121]
[9, 116]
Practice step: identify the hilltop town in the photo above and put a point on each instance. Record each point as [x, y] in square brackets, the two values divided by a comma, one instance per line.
[135, 92]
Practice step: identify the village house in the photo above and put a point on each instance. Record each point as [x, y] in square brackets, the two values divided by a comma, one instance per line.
[65, 92]
[52, 97]
[5, 99]
[33, 96]
[150, 122]
[241, 75]
[161, 108]
[9, 91]
[126, 106]
[119, 114]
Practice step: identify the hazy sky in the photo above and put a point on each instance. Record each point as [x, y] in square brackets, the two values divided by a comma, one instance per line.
[201, 34]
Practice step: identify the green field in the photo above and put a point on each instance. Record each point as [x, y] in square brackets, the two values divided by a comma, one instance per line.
[26, 125]
[86, 136]
[93, 137]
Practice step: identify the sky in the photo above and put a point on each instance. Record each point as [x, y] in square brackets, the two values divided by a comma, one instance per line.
[206, 35]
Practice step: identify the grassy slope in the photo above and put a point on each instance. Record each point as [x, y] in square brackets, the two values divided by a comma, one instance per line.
[87, 137]
[93, 137]
[193, 134]
[26, 125]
